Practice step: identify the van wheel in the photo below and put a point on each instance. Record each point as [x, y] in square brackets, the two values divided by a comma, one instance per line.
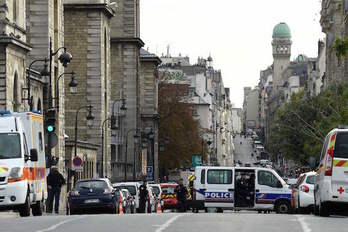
[282, 207]
[24, 210]
[38, 208]
[219, 210]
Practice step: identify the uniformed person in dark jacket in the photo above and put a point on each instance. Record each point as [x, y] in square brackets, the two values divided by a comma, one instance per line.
[55, 180]
[181, 196]
[143, 196]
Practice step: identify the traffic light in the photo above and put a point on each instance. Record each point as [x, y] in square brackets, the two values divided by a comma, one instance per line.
[50, 121]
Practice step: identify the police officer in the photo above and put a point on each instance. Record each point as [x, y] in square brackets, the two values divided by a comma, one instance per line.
[143, 195]
[181, 195]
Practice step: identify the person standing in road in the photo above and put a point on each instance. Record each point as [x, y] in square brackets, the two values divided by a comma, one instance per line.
[143, 195]
[181, 195]
[55, 180]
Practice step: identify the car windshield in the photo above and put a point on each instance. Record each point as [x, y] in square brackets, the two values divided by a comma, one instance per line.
[168, 190]
[132, 190]
[92, 184]
[10, 146]
[310, 179]
[155, 190]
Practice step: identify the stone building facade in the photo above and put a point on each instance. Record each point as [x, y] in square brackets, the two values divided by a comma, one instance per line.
[149, 109]
[87, 35]
[125, 79]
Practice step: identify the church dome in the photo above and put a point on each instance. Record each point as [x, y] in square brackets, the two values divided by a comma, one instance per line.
[281, 30]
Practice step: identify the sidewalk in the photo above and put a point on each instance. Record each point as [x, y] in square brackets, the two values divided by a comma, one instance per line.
[8, 214]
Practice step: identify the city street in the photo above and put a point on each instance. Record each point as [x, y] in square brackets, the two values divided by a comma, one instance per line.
[243, 151]
[172, 222]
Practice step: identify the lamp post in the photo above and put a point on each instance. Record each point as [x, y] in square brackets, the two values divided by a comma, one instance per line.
[126, 158]
[113, 116]
[102, 156]
[64, 58]
[89, 117]
[72, 84]
[44, 72]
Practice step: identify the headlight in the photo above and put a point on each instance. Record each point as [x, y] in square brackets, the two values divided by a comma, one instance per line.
[74, 193]
[107, 191]
[16, 172]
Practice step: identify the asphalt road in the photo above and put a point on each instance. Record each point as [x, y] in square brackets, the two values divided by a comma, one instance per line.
[243, 151]
[172, 222]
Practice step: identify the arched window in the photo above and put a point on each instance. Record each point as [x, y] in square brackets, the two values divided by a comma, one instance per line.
[39, 105]
[15, 96]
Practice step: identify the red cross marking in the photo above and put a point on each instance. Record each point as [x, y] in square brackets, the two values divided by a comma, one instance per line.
[340, 190]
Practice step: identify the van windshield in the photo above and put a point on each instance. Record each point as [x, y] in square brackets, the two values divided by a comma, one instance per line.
[10, 146]
[341, 145]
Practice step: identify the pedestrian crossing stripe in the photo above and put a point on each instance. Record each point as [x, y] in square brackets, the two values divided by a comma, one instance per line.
[340, 163]
[3, 169]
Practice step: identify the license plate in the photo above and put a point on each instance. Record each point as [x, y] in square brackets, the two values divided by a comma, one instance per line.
[92, 201]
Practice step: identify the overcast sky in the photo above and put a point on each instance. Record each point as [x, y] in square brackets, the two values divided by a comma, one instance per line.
[238, 34]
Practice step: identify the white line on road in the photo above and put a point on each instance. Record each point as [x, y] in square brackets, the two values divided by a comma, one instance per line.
[59, 224]
[167, 224]
[303, 223]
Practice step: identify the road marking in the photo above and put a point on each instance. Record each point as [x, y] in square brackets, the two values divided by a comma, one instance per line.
[59, 224]
[168, 223]
[303, 223]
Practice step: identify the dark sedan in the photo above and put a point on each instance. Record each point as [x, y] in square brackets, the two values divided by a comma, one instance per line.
[93, 195]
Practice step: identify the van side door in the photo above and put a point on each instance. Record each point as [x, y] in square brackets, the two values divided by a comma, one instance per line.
[268, 189]
[219, 188]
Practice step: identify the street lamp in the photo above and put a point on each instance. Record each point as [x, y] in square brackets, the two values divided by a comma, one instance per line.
[89, 118]
[113, 116]
[43, 73]
[102, 156]
[72, 85]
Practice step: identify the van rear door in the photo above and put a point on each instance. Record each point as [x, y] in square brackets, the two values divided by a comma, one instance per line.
[219, 188]
[339, 183]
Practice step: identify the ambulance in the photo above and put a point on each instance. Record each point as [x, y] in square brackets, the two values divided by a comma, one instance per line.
[239, 188]
[331, 180]
[22, 163]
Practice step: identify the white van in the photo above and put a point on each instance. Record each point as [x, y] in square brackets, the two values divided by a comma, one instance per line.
[22, 163]
[251, 188]
[133, 188]
[331, 183]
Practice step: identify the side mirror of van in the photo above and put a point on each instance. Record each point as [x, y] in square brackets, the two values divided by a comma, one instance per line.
[33, 155]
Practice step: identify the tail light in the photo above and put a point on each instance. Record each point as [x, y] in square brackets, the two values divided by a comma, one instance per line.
[304, 188]
[329, 161]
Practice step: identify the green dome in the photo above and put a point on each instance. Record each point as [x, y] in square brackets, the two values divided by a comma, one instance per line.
[301, 58]
[281, 30]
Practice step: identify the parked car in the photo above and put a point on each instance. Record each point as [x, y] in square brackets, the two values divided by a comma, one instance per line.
[128, 201]
[303, 193]
[331, 184]
[133, 188]
[152, 201]
[93, 194]
[168, 196]
[157, 191]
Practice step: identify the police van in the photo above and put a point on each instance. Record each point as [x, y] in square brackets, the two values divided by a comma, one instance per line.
[251, 188]
[22, 163]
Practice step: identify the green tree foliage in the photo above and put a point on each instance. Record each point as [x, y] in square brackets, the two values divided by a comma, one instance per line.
[301, 125]
[178, 124]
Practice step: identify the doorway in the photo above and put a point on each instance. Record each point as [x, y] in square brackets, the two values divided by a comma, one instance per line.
[244, 194]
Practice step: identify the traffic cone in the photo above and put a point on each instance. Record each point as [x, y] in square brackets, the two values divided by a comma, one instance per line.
[121, 206]
[159, 208]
